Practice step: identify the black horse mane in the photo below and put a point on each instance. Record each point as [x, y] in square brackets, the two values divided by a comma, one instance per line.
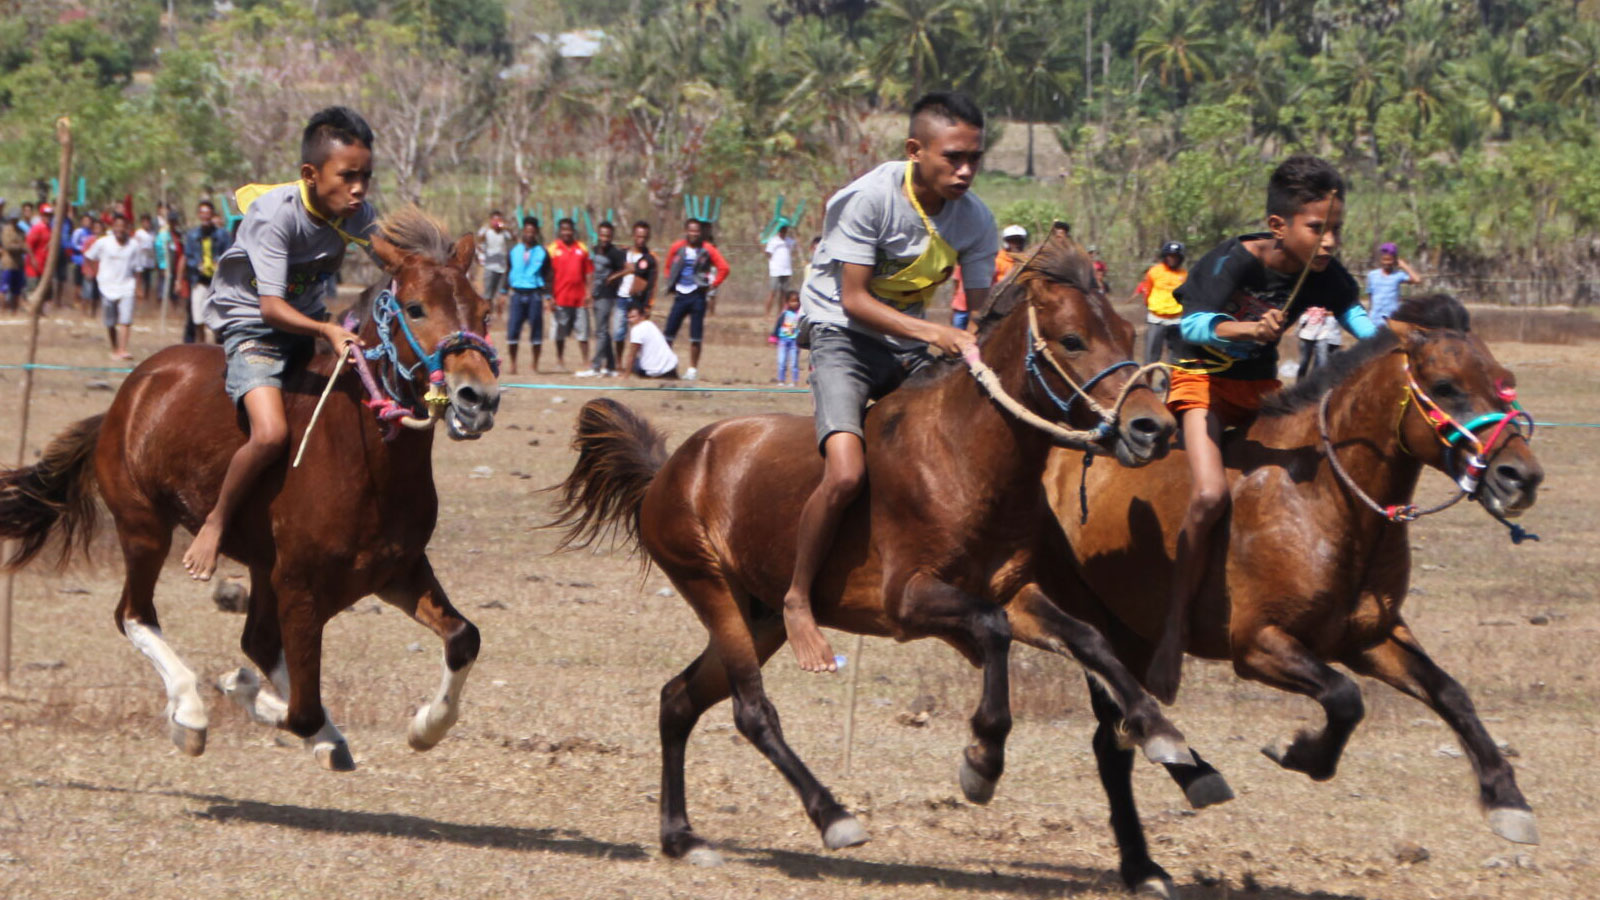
[1431, 311]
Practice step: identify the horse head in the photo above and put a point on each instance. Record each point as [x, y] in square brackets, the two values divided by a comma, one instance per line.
[439, 321]
[1461, 414]
[1078, 354]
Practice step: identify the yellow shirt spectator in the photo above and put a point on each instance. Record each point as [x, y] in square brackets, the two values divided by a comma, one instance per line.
[1158, 284]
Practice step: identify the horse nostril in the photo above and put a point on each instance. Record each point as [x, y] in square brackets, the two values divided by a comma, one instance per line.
[1145, 428]
[467, 397]
[1515, 476]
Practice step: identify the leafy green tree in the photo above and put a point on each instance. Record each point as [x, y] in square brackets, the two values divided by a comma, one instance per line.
[1179, 45]
[913, 39]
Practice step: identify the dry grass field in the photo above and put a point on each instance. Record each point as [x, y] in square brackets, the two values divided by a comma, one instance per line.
[548, 786]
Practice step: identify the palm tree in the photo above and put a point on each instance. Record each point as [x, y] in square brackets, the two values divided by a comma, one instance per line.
[1179, 44]
[1571, 69]
[1359, 70]
[914, 35]
[1485, 85]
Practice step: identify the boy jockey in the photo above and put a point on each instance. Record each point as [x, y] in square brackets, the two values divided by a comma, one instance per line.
[266, 297]
[1236, 303]
[890, 238]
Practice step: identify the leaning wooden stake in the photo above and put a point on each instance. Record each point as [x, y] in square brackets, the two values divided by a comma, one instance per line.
[854, 662]
[35, 306]
[326, 389]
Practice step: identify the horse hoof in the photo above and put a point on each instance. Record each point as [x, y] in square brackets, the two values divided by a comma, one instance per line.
[974, 785]
[845, 832]
[192, 741]
[1277, 751]
[1167, 751]
[704, 857]
[335, 757]
[419, 742]
[1515, 825]
[1208, 790]
[1156, 887]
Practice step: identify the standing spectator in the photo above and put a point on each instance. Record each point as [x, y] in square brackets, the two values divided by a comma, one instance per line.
[789, 339]
[780, 268]
[115, 260]
[1059, 228]
[1383, 283]
[165, 225]
[1013, 241]
[82, 237]
[1162, 310]
[1319, 337]
[529, 273]
[1099, 265]
[637, 286]
[610, 267]
[494, 247]
[649, 355]
[145, 264]
[570, 271]
[13, 247]
[202, 247]
[693, 269]
[38, 241]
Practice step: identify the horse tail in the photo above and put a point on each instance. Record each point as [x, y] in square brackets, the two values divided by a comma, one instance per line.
[55, 496]
[619, 454]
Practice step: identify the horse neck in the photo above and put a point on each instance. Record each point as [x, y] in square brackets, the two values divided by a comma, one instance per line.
[1364, 415]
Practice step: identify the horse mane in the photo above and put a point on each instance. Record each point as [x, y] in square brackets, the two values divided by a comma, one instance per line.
[1430, 311]
[1059, 260]
[411, 230]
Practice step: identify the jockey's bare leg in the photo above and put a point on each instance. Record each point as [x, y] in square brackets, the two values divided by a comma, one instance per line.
[268, 440]
[844, 472]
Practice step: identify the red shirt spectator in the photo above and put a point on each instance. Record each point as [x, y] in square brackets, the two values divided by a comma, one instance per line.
[38, 245]
[571, 270]
[717, 261]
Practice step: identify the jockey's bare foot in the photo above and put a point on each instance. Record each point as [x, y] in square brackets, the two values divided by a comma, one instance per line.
[200, 560]
[810, 647]
[1166, 666]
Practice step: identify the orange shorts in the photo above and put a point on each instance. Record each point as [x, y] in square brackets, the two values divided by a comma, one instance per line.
[1234, 401]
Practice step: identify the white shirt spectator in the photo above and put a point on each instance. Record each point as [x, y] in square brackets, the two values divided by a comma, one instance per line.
[655, 354]
[115, 274]
[780, 256]
[146, 242]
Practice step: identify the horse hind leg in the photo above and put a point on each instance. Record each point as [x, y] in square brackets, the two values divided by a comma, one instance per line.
[1273, 656]
[262, 643]
[1114, 761]
[145, 542]
[422, 598]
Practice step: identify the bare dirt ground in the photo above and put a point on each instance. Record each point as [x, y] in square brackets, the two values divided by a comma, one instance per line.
[548, 786]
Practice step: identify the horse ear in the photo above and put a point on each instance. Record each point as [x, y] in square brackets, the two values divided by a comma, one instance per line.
[387, 253]
[464, 252]
[1410, 335]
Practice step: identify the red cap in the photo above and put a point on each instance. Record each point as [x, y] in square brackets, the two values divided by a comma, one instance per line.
[46, 209]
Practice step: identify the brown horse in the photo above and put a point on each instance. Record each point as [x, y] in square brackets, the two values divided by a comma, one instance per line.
[938, 542]
[1311, 574]
[353, 520]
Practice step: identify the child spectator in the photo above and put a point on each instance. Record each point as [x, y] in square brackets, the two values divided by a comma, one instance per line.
[1383, 283]
[789, 339]
[1162, 311]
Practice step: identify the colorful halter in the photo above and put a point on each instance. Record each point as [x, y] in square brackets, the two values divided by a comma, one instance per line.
[394, 409]
[1462, 441]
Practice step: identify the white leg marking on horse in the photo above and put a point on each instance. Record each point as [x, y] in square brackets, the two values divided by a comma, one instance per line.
[433, 721]
[260, 704]
[184, 705]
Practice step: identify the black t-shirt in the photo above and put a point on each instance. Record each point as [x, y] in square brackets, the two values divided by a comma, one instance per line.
[609, 259]
[1232, 281]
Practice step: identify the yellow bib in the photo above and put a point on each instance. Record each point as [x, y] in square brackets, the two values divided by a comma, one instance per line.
[250, 193]
[917, 281]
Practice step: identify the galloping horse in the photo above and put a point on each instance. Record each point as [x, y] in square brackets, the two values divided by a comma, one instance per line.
[939, 541]
[1319, 555]
[354, 520]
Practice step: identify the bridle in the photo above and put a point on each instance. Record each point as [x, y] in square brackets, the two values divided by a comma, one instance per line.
[386, 394]
[1466, 454]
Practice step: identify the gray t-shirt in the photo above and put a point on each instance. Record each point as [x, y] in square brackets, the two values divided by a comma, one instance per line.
[871, 222]
[494, 248]
[280, 251]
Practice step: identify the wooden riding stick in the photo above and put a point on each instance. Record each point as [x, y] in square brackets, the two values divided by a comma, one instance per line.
[35, 307]
[850, 713]
[326, 390]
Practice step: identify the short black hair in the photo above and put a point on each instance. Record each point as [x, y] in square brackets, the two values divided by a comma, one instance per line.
[640, 223]
[562, 222]
[636, 306]
[207, 204]
[494, 212]
[119, 215]
[1064, 226]
[333, 125]
[530, 220]
[1300, 180]
[605, 223]
[947, 106]
[693, 221]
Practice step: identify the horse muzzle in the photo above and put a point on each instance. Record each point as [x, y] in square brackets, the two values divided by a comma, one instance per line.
[1511, 486]
[1144, 432]
[472, 408]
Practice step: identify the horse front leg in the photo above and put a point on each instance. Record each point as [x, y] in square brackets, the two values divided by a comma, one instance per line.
[1039, 622]
[1114, 761]
[420, 596]
[979, 629]
[1401, 663]
[1273, 656]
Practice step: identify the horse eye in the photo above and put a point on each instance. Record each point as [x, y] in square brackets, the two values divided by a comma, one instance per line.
[1445, 389]
[415, 310]
[1073, 343]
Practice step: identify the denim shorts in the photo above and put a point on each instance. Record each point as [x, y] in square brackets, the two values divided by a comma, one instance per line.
[259, 355]
[848, 369]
